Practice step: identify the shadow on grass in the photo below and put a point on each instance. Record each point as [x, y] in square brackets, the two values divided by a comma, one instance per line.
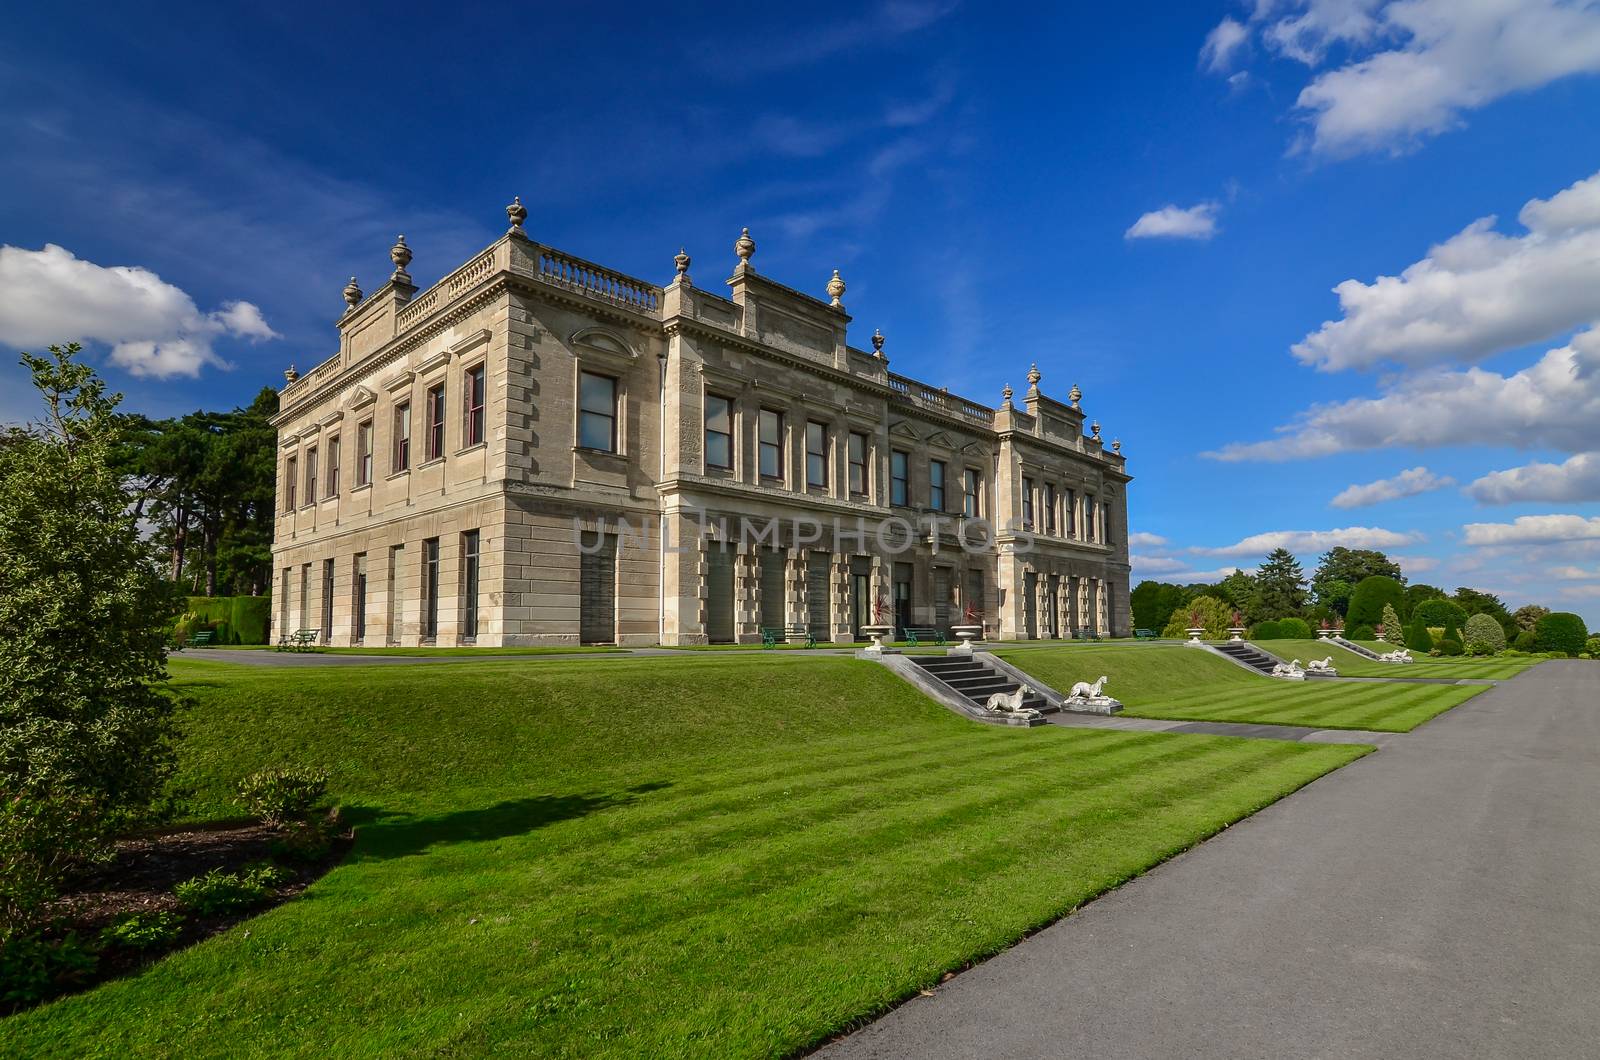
[382, 834]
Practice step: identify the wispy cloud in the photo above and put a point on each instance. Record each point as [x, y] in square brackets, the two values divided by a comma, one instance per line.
[1533, 530]
[1304, 542]
[1176, 222]
[881, 23]
[1408, 483]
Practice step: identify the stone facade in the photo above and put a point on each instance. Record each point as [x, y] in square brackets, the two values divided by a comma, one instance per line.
[540, 451]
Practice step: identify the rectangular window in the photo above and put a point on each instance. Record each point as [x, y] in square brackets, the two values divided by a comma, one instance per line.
[936, 485]
[358, 608]
[469, 563]
[333, 466]
[899, 478]
[770, 431]
[1049, 508]
[430, 588]
[1071, 513]
[472, 402]
[719, 431]
[858, 463]
[327, 600]
[364, 454]
[291, 482]
[1088, 518]
[597, 412]
[816, 454]
[435, 436]
[969, 494]
[1105, 524]
[402, 436]
[311, 474]
[1027, 504]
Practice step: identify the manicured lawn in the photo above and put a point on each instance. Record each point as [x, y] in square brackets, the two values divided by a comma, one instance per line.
[1349, 664]
[719, 856]
[1194, 685]
[573, 650]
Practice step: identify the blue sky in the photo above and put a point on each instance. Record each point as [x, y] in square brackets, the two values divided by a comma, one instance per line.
[1155, 202]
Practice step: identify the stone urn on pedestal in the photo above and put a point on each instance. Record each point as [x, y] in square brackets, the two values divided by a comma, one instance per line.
[1236, 631]
[879, 629]
[969, 630]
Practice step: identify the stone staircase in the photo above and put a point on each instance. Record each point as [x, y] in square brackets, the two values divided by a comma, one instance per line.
[1249, 655]
[975, 680]
[1352, 646]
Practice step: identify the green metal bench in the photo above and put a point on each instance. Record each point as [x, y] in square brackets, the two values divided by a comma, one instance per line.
[1085, 634]
[772, 636]
[298, 640]
[1144, 634]
[917, 634]
[200, 638]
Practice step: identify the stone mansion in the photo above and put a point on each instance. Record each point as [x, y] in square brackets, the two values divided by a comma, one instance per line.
[540, 451]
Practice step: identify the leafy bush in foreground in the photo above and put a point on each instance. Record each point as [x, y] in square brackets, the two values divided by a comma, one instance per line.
[287, 793]
[222, 892]
[1561, 631]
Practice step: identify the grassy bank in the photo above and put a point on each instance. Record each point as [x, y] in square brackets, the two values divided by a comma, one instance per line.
[718, 855]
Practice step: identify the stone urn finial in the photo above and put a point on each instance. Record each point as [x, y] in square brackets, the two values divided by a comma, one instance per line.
[290, 374]
[745, 247]
[1005, 396]
[517, 213]
[1034, 375]
[681, 262]
[836, 289]
[1095, 427]
[1075, 395]
[352, 293]
[400, 254]
[877, 344]
[1116, 445]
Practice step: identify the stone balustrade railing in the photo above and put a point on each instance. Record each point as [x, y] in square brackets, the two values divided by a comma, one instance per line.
[940, 400]
[596, 281]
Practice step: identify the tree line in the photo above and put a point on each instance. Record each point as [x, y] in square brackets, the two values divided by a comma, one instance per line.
[1349, 587]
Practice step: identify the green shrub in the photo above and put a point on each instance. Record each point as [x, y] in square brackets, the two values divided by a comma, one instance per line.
[1394, 631]
[1592, 646]
[1561, 631]
[1359, 631]
[1483, 632]
[42, 837]
[34, 968]
[283, 794]
[143, 930]
[1294, 629]
[1439, 612]
[1418, 639]
[1370, 597]
[1213, 615]
[1527, 641]
[1450, 646]
[222, 892]
[305, 840]
[1267, 631]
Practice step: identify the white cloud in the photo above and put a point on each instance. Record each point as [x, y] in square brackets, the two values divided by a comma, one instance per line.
[1140, 539]
[1573, 573]
[1410, 69]
[1476, 294]
[1408, 483]
[153, 328]
[1222, 44]
[1575, 479]
[1304, 542]
[1174, 222]
[1156, 564]
[1533, 530]
[1190, 577]
[1416, 564]
[1553, 403]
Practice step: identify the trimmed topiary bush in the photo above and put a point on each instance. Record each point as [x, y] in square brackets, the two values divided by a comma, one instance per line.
[1561, 631]
[1294, 629]
[1418, 639]
[1483, 635]
[1358, 631]
[1527, 640]
[1394, 631]
[1439, 612]
[1371, 596]
[1450, 646]
[1267, 631]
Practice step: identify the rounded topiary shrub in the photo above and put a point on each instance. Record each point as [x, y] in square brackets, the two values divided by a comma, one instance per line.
[1483, 635]
[1371, 596]
[1294, 629]
[1527, 640]
[1440, 612]
[1450, 646]
[1561, 631]
[1359, 631]
[1267, 631]
[1418, 639]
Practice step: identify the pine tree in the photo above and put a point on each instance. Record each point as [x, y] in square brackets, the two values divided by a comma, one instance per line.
[1281, 585]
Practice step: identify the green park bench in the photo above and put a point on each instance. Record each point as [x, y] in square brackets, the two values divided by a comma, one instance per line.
[200, 638]
[1144, 634]
[299, 640]
[1085, 634]
[772, 636]
[917, 634]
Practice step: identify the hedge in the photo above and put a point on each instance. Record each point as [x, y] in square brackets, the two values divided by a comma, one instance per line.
[1369, 598]
[1267, 631]
[1439, 612]
[233, 619]
[1561, 631]
[1294, 629]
